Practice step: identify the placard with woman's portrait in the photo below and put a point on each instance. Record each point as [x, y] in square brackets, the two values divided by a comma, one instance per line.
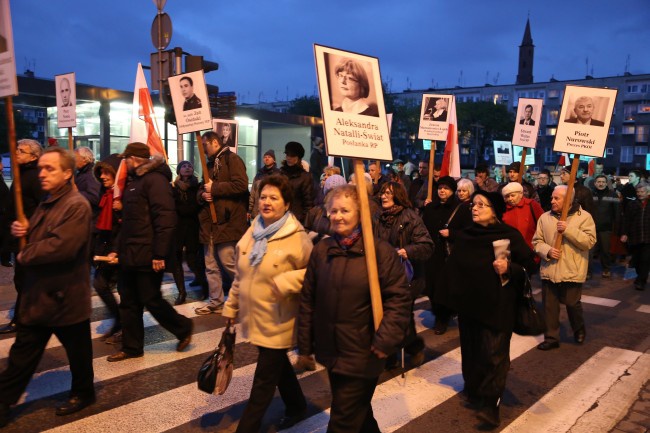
[352, 104]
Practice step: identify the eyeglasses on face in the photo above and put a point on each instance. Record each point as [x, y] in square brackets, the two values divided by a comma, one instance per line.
[346, 77]
[21, 150]
[479, 205]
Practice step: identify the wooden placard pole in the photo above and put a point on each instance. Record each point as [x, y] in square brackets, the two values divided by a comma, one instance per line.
[432, 167]
[70, 141]
[567, 198]
[522, 166]
[15, 170]
[206, 175]
[368, 244]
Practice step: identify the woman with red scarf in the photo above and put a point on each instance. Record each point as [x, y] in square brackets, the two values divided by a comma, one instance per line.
[106, 233]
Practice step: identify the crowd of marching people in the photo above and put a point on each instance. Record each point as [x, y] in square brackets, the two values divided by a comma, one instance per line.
[286, 258]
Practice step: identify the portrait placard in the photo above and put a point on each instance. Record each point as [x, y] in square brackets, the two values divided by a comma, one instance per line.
[503, 152]
[516, 155]
[190, 100]
[584, 120]
[66, 100]
[434, 116]
[228, 131]
[352, 104]
[8, 79]
[529, 114]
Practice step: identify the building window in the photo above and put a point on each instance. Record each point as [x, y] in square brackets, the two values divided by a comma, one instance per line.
[548, 155]
[552, 116]
[633, 88]
[464, 150]
[554, 93]
[642, 133]
[628, 129]
[610, 151]
[641, 150]
[644, 108]
[612, 130]
[626, 154]
[629, 111]
[551, 131]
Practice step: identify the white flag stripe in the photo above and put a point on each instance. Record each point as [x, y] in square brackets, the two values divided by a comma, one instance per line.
[576, 394]
[97, 329]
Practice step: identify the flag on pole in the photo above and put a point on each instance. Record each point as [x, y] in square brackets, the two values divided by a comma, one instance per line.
[451, 157]
[592, 167]
[564, 160]
[143, 128]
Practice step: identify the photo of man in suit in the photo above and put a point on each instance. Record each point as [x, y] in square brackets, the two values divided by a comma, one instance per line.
[192, 102]
[65, 93]
[527, 119]
[583, 110]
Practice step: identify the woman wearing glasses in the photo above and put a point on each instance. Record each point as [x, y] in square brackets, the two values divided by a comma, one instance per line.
[401, 226]
[483, 289]
[354, 87]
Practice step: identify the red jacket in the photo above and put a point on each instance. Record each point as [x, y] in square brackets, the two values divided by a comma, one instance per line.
[524, 217]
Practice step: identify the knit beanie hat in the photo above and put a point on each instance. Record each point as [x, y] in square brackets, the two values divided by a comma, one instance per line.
[332, 182]
[449, 182]
[270, 153]
[496, 201]
[512, 187]
[181, 164]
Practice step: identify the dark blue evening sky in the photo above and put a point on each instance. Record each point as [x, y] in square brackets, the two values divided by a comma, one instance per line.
[265, 47]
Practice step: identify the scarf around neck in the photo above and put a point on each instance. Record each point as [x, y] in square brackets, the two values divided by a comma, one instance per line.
[347, 241]
[105, 218]
[261, 236]
[388, 216]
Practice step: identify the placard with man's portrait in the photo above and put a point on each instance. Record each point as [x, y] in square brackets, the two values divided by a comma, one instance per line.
[529, 114]
[228, 131]
[190, 101]
[352, 104]
[584, 120]
[434, 116]
[65, 86]
[8, 79]
[502, 152]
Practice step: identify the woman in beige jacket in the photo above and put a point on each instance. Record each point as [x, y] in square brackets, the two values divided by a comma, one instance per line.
[271, 260]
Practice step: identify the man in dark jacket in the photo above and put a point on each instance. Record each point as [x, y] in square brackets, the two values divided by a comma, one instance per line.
[317, 160]
[148, 221]
[606, 210]
[636, 232]
[545, 187]
[84, 178]
[269, 168]
[300, 180]
[27, 153]
[227, 191]
[56, 290]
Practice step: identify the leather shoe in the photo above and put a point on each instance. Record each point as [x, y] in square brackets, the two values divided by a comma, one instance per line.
[75, 404]
[289, 421]
[548, 345]
[121, 356]
[579, 336]
[440, 327]
[184, 342]
[8, 329]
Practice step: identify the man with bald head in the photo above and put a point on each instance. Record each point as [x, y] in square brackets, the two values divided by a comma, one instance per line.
[584, 110]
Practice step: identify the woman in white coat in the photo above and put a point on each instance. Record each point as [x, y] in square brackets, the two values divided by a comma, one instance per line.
[271, 260]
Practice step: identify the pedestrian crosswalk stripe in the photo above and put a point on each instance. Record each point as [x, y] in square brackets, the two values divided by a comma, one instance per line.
[595, 300]
[576, 394]
[643, 309]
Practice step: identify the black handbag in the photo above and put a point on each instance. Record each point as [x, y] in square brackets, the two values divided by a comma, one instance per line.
[215, 373]
[528, 319]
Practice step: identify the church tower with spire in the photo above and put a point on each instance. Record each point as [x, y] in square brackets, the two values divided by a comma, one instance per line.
[526, 54]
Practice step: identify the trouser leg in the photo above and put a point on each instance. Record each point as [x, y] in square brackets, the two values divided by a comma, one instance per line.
[550, 296]
[265, 380]
[150, 296]
[604, 244]
[78, 346]
[642, 264]
[351, 409]
[493, 362]
[103, 283]
[213, 274]
[131, 310]
[570, 296]
[468, 348]
[24, 356]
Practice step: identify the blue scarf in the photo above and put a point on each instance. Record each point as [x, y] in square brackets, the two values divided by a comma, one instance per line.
[261, 235]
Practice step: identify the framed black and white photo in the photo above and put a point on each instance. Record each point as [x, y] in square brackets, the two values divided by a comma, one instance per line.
[502, 152]
[352, 104]
[228, 131]
[66, 100]
[8, 79]
[190, 101]
[434, 116]
[584, 120]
